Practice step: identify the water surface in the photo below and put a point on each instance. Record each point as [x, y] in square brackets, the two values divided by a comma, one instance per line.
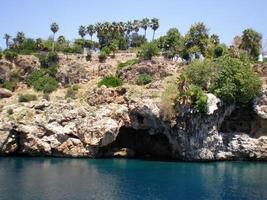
[71, 179]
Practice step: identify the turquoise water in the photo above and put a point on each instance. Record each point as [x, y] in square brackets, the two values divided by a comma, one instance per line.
[60, 178]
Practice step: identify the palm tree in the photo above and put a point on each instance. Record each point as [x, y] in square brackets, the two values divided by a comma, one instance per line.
[20, 38]
[136, 25]
[61, 39]
[82, 31]
[98, 28]
[121, 27]
[154, 25]
[7, 37]
[91, 31]
[106, 27]
[39, 44]
[145, 24]
[129, 27]
[54, 28]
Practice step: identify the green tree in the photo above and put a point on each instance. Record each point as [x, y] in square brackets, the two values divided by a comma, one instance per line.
[20, 38]
[39, 44]
[7, 38]
[172, 43]
[145, 24]
[82, 31]
[197, 38]
[251, 42]
[148, 50]
[61, 39]
[154, 25]
[91, 31]
[54, 28]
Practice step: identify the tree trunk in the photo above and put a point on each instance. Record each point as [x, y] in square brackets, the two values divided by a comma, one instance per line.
[7, 44]
[153, 35]
[53, 45]
[145, 33]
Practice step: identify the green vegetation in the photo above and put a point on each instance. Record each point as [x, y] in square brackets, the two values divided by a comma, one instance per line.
[144, 79]
[1, 55]
[167, 110]
[237, 82]
[89, 56]
[110, 81]
[148, 50]
[12, 83]
[127, 63]
[10, 111]
[171, 44]
[231, 79]
[10, 55]
[72, 92]
[40, 80]
[251, 43]
[27, 97]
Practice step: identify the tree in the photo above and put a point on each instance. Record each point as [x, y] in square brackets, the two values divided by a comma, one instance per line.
[7, 37]
[172, 43]
[20, 38]
[39, 44]
[145, 24]
[136, 25]
[197, 38]
[154, 25]
[82, 31]
[215, 39]
[91, 31]
[148, 50]
[251, 42]
[54, 28]
[114, 47]
[129, 27]
[61, 39]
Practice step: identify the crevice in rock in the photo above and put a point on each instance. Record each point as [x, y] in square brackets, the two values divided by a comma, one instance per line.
[138, 144]
[244, 120]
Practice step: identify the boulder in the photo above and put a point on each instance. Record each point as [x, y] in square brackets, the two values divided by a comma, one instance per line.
[5, 93]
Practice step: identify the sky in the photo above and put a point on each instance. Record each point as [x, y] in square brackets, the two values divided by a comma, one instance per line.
[226, 18]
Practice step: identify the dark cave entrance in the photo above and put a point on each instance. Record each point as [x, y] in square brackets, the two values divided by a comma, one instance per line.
[143, 144]
[244, 120]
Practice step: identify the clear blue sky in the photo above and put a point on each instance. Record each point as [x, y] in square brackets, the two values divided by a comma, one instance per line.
[226, 18]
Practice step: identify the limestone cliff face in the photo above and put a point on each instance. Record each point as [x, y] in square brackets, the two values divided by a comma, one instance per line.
[128, 128]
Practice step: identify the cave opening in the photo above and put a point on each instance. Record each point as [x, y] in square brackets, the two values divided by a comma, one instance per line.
[140, 143]
[244, 120]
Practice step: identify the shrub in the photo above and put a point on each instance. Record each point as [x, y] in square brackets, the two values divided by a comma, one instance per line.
[202, 73]
[10, 85]
[106, 50]
[137, 40]
[72, 92]
[50, 59]
[27, 97]
[110, 81]
[144, 79]
[148, 50]
[10, 111]
[220, 50]
[167, 110]
[199, 99]
[102, 56]
[127, 63]
[41, 81]
[89, 56]
[1, 55]
[237, 82]
[11, 55]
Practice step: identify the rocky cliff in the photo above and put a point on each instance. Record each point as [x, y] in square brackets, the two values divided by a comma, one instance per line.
[127, 121]
[128, 128]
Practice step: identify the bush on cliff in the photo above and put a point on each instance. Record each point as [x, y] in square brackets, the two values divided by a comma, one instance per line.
[231, 79]
[41, 80]
[27, 97]
[144, 79]
[131, 62]
[110, 81]
[148, 50]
